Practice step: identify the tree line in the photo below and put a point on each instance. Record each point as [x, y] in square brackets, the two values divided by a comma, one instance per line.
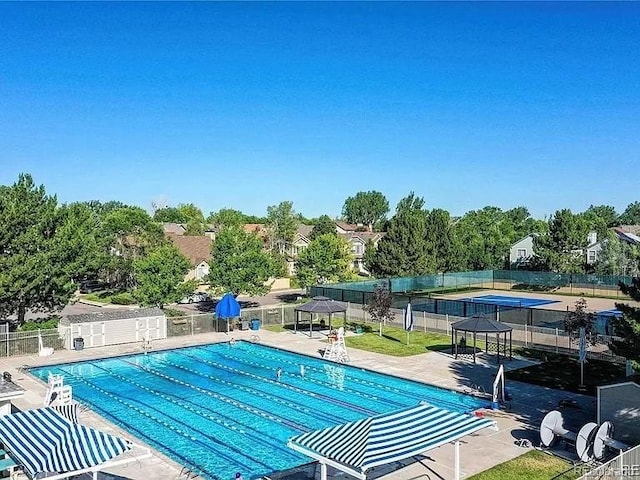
[48, 248]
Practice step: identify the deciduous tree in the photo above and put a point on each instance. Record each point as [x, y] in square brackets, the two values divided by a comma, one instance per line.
[282, 221]
[631, 215]
[169, 215]
[328, 258]
[160, 277]
[323, 226]
[367, 208]
[379, 305]
[227, 217]
[239, 263]
[579, 318]
[127, 235]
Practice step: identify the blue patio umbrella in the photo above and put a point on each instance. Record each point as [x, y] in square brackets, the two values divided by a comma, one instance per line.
[228, 307]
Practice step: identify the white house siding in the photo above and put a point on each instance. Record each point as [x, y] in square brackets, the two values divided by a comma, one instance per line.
[521, 251]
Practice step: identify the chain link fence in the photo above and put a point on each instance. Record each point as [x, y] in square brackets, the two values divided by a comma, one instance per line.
[28, 343]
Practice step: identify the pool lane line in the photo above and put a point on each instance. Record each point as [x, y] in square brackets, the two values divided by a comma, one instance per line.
[351, 406]
[328, 385]
[256, 436]
[419, 397]
[170, 453]
[299, 390]
[309, 412]
[229, 400]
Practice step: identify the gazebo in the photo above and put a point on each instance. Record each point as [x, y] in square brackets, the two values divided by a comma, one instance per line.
[319, 305]
[484, 325]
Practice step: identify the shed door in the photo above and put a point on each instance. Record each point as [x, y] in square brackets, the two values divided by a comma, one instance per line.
[147, 328]
[96, 337]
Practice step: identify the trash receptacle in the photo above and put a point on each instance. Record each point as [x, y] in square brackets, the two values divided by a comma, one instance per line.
[255, 324]
[78, 343]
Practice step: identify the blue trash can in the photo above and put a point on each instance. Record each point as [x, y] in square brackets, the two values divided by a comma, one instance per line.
[255, 324]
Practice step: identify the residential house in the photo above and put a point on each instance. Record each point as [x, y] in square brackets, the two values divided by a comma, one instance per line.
[625, 233]
[521, 252]
[174, 228]
[198, 250]
[357, 239]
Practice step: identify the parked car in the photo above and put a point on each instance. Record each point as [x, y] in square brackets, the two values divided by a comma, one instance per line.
[88, 286]
[196, 298]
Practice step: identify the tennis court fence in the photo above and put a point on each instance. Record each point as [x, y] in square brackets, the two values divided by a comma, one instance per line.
[284, 315]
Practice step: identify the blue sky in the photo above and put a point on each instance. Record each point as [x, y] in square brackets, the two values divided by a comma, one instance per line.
[245, 105]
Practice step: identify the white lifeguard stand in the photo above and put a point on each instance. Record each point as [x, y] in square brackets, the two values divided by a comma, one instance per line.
[337, 350]
[57, 392]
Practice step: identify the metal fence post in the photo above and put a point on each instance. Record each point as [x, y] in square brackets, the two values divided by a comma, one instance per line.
[526, 337]
[424, 319]
[191, 324]
[282, 314]
[556, 340]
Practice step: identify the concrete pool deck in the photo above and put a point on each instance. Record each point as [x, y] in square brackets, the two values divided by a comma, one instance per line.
[478, 452]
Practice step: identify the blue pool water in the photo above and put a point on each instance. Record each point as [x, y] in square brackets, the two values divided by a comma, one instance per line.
[220, 409]
[505, 301]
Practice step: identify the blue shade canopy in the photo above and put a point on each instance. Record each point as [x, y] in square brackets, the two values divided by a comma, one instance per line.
[387, 438]
[43, 441]
[228, 307]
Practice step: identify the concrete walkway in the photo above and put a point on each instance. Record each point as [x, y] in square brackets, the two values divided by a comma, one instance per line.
[478, 452]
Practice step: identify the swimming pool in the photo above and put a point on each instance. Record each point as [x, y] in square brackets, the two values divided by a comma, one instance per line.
[219, 409]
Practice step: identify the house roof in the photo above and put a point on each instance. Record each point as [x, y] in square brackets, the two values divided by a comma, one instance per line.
[195, 248]
[627, 236]
[363, 236]
[259, 229]
[348, 227]
[304, 230]
[108, 315]
[635, 229]
[175, 228]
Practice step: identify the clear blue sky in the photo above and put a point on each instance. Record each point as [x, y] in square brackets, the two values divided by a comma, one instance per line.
[244, 105]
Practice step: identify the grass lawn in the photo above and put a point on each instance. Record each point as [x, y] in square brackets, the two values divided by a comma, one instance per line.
[533, 465]
[563, 372]
[394, 342]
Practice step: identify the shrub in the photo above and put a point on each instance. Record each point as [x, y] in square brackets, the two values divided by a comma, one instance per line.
[124, 298]
[40, 324]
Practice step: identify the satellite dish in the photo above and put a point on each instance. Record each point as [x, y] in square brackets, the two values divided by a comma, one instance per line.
[604, 432]
[552, 428]
[604, 439]
[551, 423]
[584, 441]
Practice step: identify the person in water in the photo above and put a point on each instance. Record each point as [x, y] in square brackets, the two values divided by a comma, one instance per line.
[279, 373]
[239, 476]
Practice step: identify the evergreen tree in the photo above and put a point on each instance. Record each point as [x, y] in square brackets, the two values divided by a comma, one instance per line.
[40, 247]
[561, 249]
[403, 251]
[627, 329]
[631, 215]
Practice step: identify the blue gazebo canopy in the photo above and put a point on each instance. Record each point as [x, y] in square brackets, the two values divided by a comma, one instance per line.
[228, 307]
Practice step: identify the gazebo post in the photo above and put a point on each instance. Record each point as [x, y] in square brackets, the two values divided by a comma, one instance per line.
[486, 343]
[510, 345]
[474, 346]
[311, 326]
[295, 324]
[330, 315]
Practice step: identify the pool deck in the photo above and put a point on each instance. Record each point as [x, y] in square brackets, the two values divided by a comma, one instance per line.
[477, 453]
